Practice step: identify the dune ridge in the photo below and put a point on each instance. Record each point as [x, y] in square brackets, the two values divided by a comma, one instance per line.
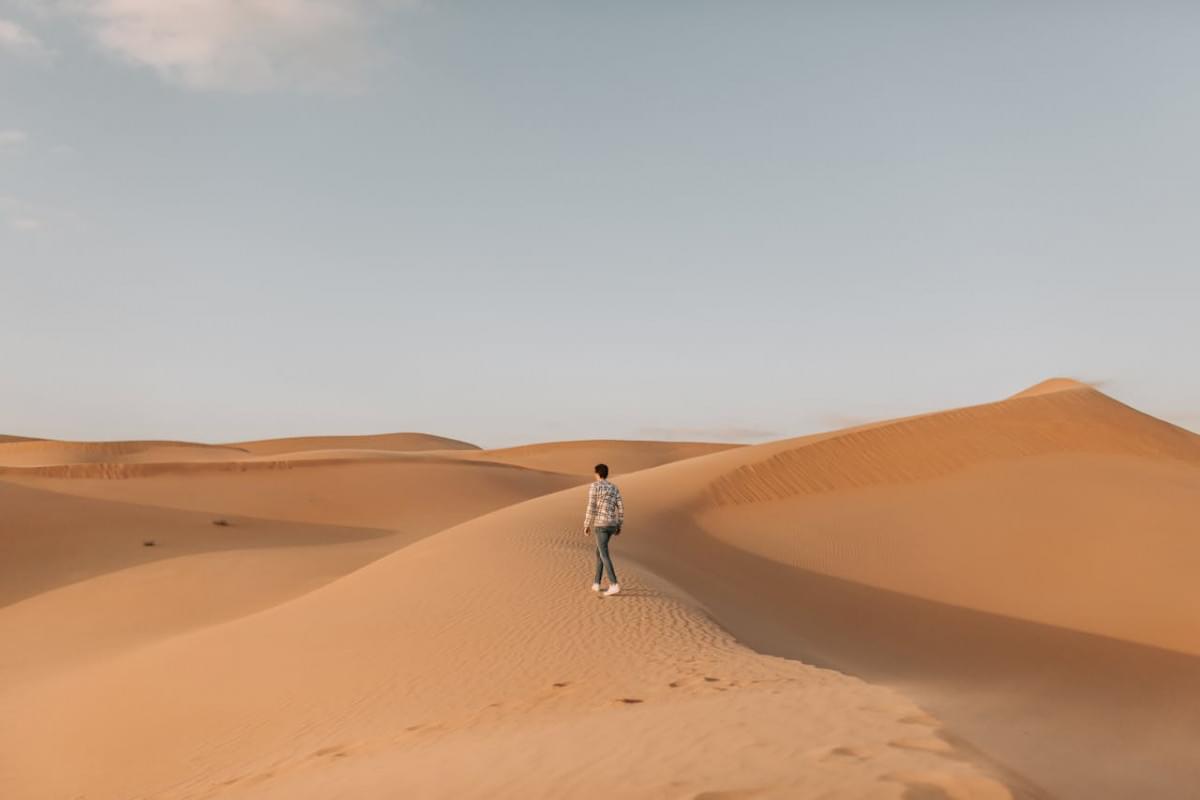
[18, 451]
[125, 470]
[51, 452]
[5, 438]
[407, 442]
[578, 457]
[1072, 419]
[1051, 385]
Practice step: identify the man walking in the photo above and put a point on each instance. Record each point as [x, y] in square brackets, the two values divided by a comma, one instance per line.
[605, 513]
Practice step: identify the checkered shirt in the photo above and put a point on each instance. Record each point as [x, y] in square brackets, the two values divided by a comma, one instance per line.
[605, 506]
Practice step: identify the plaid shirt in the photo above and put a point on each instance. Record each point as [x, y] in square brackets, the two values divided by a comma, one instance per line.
[605, 506]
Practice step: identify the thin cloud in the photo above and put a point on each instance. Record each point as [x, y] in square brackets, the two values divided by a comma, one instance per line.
[721, 433]
[15, 39]
[11, 139]
[25, 224]
[20, 216]
[239, 45]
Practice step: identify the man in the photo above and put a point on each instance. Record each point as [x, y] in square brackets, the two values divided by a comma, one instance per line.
[605, 513]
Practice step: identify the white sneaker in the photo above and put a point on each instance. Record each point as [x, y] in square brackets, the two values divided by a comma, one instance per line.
[614, 589]
[595, 587]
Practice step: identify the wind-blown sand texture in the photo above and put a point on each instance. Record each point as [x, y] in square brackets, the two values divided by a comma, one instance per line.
[345, 617]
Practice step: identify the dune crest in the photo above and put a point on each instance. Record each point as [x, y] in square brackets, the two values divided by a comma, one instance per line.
[578, 457]
[18, 451]
[1079, 420]
[403, 442]
[50, 452]
[1051, 385]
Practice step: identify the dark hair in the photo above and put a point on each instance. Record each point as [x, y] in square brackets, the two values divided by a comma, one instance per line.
[602, 470]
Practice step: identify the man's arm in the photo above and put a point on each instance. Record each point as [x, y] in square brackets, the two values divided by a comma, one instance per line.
[620, 509]
[591, 508]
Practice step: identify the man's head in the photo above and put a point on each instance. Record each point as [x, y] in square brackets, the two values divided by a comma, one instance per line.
[602, 471]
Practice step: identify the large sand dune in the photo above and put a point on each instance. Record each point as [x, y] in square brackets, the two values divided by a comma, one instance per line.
[419, 624]
[1023, 568]
[472, 664]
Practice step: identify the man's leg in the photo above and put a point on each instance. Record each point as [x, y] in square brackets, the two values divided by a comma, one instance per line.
[599, 563]
[602, 537]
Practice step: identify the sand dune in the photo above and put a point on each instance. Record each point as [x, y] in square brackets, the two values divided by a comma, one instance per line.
[1074, 420]
[18, 451]
[47, 452]
[285, 529]
[48, 539]
[5, 438]
[1019, 568]
[424, 494]
[578, 458]
[405, 442]
[472, 647]
[1067, 493]
[143, 602]
[89, 569]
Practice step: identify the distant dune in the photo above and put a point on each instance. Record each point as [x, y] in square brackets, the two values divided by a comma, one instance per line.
[400, 495]
[406, 442]
[578, 458]
[16, 451]
[49, 452]
[6, 438]
[376, 621]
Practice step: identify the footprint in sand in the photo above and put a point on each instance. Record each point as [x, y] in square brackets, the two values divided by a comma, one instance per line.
[333, 751]
[846, 751]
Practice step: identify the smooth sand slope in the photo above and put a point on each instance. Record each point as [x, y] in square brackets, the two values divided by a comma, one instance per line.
[474, 663]
[83, 563]
[48, 539]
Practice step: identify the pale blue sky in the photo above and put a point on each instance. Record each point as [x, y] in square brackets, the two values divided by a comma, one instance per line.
[525, 221]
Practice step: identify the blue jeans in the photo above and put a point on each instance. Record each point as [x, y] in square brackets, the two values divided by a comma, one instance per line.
[603, 561]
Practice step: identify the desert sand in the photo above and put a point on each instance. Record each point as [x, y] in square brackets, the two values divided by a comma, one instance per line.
[988, 602]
